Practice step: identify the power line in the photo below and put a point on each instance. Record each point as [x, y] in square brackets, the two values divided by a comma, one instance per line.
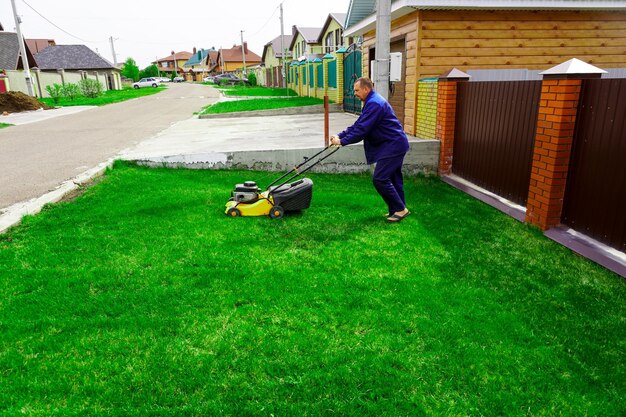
[56, 26]
[265, 24]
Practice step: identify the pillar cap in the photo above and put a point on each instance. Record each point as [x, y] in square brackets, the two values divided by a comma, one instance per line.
[342, 50]
[316, 60]
[574, 68]
[455, 74]
[328, 56]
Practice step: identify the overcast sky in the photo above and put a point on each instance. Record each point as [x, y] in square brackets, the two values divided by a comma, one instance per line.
[145, 30]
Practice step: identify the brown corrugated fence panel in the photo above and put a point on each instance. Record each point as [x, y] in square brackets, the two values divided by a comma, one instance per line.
[495, 134]
[595, 196]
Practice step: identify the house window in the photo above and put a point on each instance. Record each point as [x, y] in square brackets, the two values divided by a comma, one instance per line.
[303, 47]
[165, 64]
[329, 42]
[338, 38]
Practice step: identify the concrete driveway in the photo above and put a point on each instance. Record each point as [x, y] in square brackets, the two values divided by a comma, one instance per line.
[36, 158]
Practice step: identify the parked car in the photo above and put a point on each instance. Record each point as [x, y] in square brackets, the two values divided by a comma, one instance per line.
[163, 79]
[147, 82]
[209, 79]
[179, 79]
[231, 79]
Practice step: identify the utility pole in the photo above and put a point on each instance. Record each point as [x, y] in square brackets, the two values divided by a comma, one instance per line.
[383, 28]
[282, 47]
[243, 52]
[20, 41]
[113, 51]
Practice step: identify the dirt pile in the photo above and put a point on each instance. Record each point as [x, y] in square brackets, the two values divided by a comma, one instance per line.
[16, 101]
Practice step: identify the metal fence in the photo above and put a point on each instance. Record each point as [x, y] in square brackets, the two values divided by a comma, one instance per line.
[494, 135]
[595, 196]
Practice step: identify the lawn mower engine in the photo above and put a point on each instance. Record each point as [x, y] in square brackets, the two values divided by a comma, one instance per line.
[246, 193]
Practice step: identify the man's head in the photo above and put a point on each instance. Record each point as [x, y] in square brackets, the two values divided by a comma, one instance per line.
[362, 88]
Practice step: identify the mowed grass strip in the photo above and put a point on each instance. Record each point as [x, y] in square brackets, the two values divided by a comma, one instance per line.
[256, 91]
[107, 97]
[259, 104]
[142, 298]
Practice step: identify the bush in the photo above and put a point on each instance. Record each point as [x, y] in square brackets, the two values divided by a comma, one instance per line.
[252, 79]
[90, 88]
[55, 91]
[70, 91]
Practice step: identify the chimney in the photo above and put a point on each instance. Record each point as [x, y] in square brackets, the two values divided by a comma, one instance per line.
[245, 48]
[194, 50]
[172, 52]
[294, 30]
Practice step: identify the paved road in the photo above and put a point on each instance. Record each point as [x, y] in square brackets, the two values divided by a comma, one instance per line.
[35, 158]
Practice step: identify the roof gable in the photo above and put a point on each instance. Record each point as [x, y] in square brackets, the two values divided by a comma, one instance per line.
[275, 46]
[333, 17]
[198, 58]
[10, 52]
[71, 57]
[234, 54]
[309, 35]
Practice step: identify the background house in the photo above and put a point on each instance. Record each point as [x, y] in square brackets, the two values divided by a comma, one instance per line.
[172, 63]
[274, 52]
[12, 77]
[331, 35]
[483, 36]
[73, 63]
[305, 43]
[232, 59]
[38, 45]
[198, 65]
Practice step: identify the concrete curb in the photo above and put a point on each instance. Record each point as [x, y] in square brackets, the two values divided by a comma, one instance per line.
[423, 157]
[317, 108]
[12, 215]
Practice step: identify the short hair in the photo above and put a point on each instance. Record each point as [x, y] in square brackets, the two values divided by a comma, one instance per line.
[365, 82]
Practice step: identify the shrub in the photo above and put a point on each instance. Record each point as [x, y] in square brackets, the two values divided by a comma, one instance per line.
[55, 91]
[70, 91]
[224, 81]
[90, 88]
[252, 79]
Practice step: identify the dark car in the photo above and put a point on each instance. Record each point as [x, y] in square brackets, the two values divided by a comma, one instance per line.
[231, 79]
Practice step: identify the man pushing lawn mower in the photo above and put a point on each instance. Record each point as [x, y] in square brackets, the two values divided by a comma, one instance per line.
[385, 144]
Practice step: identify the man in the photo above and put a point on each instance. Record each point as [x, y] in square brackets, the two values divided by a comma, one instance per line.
[385, 144]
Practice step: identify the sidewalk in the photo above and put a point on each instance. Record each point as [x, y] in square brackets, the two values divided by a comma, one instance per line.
[32, 116]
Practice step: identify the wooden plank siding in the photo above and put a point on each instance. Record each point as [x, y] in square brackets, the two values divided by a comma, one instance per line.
[520, 39]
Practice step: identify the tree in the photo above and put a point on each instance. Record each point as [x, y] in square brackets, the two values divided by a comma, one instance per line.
[149, 71]
[130, 69]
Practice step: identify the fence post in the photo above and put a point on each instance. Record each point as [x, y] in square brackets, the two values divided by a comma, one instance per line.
[556, 119]
[340, 81]
[446, 116]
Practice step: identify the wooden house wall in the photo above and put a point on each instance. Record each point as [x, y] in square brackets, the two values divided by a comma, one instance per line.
[535, 40]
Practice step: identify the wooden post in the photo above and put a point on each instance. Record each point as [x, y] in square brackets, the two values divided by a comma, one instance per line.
[326, 124]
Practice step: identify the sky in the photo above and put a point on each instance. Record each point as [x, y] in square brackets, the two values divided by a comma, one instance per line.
[146, 30]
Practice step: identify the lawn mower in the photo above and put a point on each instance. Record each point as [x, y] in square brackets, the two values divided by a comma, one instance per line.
[248, 200]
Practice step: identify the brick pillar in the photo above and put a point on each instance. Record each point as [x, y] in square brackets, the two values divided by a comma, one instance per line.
[553, 145]
[558, 105]
[446, 117]
[340, 80]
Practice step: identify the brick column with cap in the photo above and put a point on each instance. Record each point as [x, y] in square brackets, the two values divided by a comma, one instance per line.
[556, 120]
[446, 114]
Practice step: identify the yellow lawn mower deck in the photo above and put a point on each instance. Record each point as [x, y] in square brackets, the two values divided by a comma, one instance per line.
[248, 200]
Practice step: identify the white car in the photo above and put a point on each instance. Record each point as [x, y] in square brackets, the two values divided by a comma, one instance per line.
[147, 82]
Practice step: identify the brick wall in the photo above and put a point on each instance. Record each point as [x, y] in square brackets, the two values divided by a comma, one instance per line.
[426, 109]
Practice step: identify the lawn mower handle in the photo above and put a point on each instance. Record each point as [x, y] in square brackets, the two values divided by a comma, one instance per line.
[306, 160]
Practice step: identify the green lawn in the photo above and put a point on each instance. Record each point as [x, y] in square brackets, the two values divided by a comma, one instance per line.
[108, 97]
[259, 104]
[256, 91]
[141, 298]
[2, 125]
